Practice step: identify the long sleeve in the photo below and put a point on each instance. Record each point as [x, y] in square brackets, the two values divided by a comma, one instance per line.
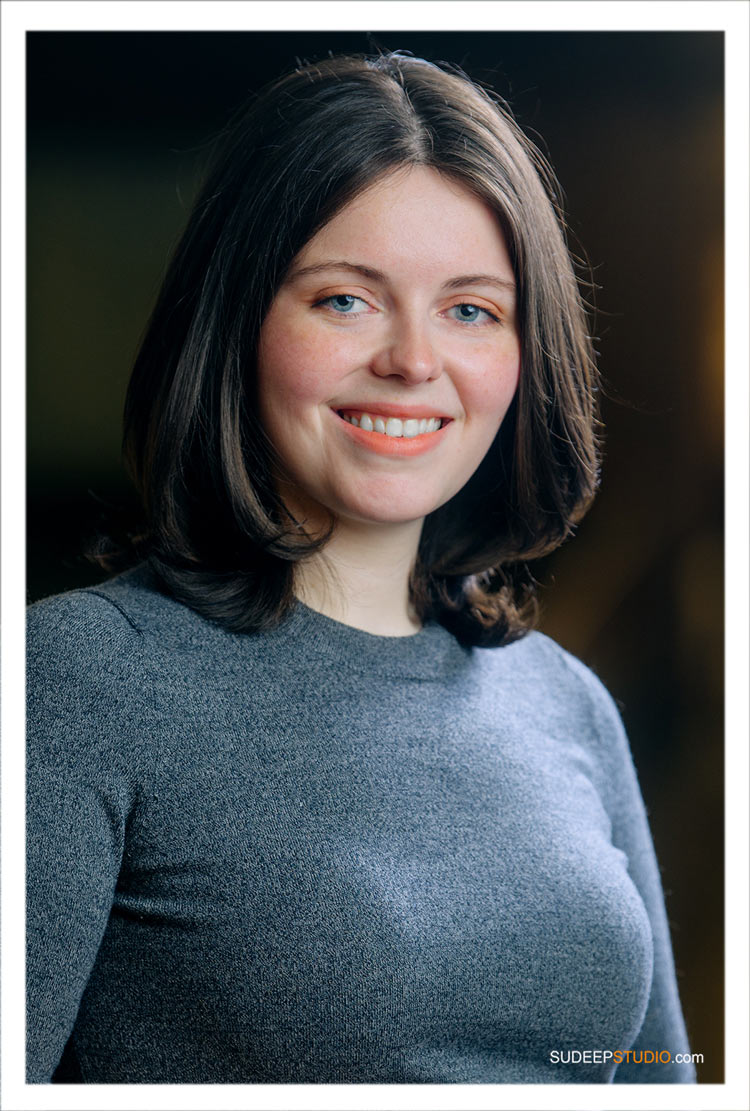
[81, 780]
[663, 1027]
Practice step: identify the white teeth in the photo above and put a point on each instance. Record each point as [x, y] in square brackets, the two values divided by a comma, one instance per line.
[394, 426]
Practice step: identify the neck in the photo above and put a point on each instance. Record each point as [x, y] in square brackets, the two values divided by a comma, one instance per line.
[362, 577]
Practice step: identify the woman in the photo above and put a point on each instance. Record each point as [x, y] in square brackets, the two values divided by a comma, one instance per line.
[308, 802]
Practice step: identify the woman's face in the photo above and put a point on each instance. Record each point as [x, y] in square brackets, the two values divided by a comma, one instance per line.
[390, 355]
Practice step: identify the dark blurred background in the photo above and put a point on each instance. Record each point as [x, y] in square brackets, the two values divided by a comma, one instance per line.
[632, 122]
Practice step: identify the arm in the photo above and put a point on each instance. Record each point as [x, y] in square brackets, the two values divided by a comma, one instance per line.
[83, 658]
[663, 1026]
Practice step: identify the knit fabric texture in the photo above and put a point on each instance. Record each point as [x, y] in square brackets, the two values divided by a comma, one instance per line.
[315, 855]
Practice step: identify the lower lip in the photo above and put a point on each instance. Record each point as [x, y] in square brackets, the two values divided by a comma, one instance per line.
[403, 447]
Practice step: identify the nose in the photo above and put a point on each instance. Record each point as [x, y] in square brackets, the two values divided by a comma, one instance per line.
[408, 351]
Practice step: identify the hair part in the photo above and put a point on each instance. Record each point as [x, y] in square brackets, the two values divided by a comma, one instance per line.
[216, 530]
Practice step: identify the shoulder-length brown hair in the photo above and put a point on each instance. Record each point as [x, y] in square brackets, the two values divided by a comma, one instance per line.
[215, 532]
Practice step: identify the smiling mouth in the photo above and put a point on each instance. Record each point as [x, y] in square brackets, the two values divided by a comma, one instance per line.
[396, 427]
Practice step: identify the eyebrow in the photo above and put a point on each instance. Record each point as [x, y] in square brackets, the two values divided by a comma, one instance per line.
[481, 279]
[378, 275]
[337, 264]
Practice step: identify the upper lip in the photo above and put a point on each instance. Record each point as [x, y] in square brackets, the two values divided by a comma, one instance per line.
[391, 409]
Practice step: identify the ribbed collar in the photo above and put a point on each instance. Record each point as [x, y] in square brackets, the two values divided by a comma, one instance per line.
[304, 637]
[431, 654]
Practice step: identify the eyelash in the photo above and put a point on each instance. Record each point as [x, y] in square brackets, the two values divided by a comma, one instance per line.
[470, 305]
[327, 302]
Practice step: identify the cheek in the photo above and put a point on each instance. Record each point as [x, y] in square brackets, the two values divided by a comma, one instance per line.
[295, 366]
[490, 392]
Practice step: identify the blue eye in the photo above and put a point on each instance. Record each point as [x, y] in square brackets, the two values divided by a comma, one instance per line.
[343, 303]
[471, 314]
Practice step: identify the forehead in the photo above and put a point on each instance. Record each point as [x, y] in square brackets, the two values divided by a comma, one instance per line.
[414, 219]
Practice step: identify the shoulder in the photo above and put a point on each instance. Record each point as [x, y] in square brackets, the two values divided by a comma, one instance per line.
[88, 648]
[568, 673]
[85, 637]
[557, 689]
[557, 697]
[121, 618]
[71, 630]
[94, 668]
[125, 639]
[537, 661]
[78, 619]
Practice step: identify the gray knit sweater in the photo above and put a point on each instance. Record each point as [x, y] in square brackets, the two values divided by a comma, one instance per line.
[316, 855]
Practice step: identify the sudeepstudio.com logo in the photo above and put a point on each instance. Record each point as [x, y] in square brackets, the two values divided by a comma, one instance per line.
[617, 1056]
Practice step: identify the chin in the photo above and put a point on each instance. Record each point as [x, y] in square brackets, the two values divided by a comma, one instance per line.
[388, 511]
[384, 502]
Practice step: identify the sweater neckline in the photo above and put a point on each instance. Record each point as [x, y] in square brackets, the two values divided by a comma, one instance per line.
[305, 636]
[430, 653]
